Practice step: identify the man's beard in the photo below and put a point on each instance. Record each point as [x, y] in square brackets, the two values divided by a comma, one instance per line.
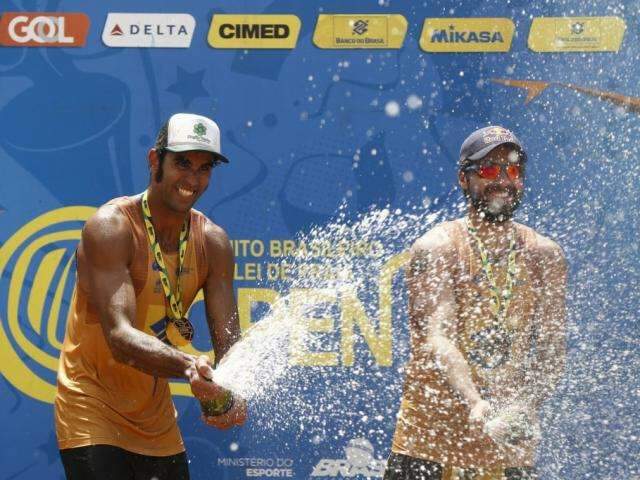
[496, 209]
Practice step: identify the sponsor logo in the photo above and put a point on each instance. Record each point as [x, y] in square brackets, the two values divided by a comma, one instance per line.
[148, 30]
[42, 29]
[577, 28]
[116, 31]
[29, 320]
[454, 36]
[576, 34]
[360, 27]
[467, 35]
[360, 31]
[359, 460]
[261, 467]
[497, 134]
[254, 31]
[199, 129]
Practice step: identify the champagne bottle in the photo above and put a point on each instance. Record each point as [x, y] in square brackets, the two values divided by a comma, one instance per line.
[212, 407]
[219, 405]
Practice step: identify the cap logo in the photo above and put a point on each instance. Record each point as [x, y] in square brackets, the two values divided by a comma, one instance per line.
[497, 131]
[199, 129]
[497, 134]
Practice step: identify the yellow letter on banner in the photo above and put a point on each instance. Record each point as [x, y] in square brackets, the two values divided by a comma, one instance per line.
[353, 313]
[299, 301]
[247, 297]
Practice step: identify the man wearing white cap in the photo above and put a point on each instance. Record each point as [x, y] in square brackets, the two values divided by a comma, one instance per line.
[487, 320]
[140, 263]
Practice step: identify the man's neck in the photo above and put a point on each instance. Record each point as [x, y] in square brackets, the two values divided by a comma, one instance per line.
[494, 235]
[166, 222]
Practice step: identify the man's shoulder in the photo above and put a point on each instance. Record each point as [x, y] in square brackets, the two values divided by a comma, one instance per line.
[539, 242]
[215, 237]
[106, 237]
[438, 239]
[108, 219]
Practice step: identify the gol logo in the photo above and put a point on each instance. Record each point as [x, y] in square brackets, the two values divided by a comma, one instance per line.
[53, 29]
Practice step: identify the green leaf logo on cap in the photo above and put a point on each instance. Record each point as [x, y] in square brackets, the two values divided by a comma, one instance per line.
[199, 129]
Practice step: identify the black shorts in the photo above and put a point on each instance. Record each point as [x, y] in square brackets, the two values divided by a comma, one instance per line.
[403, 467]
[106, 462]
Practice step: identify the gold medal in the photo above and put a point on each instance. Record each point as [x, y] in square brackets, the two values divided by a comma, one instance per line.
[179, 332]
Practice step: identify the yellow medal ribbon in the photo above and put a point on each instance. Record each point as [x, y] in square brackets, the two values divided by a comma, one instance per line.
[500, 298]
[179, 330]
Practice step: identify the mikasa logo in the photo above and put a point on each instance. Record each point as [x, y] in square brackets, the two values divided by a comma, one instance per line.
[150, 30]
[453, 35]
[467, 35]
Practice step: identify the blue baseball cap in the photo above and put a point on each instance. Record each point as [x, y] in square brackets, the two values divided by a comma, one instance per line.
[483, 140]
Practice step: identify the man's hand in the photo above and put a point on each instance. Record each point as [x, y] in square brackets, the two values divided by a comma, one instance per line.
[479, 414]
[200, 376]
[236, 415]
[498, 430]
[204, 388]
[512, 426]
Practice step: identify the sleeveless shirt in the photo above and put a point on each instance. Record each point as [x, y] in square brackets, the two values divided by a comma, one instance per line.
[433, 420]
[101, 401]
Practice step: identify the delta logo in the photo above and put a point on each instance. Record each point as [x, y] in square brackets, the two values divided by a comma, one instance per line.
[148, 30]
[467, 35]
[43, 29]
[117, 31]
[254, 31]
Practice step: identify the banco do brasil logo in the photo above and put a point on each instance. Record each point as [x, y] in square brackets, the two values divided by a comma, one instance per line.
[360, 27]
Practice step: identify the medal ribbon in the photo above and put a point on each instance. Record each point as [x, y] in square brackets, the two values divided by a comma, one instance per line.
[175, 300]
[500, 298]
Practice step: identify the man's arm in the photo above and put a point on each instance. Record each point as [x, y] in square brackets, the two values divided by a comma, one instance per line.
[106, 250]
[222, 312]
[432, 314]
[547, 366]
[220, 303]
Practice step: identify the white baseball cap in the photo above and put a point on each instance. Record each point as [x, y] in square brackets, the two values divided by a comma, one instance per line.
[187, 131]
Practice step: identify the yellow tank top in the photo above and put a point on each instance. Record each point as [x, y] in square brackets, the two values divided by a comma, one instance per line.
[101, 401]
[432, 422]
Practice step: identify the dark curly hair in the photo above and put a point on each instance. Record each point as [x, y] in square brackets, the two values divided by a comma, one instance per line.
[161, 148]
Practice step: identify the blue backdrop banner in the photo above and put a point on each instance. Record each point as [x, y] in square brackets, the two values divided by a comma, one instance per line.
[343, 122]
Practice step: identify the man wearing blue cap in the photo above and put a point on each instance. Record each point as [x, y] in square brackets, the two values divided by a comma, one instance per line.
[487, 320]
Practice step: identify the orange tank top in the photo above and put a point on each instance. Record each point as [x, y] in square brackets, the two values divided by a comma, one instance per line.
[101, 401]
[433, 419]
